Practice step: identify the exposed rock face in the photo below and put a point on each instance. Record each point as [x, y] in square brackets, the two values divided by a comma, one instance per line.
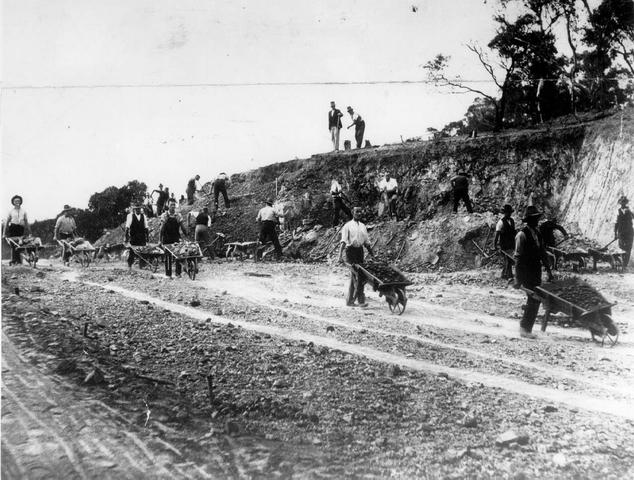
[603, 171]
[576, 172]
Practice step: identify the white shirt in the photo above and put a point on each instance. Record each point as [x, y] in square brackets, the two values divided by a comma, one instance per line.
[266, 214]
[390, 185]
[354, 234]
[335, 187]
[17, 216]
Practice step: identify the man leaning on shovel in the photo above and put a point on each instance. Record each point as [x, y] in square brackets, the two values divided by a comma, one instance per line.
[530, 256]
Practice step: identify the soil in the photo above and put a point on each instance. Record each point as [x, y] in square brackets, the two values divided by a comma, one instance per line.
[259, 370]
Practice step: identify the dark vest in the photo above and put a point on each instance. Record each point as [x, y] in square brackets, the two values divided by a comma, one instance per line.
[202, 219]
[334, 118]
[529, 265]
[624, 224]
[507, 235]
[137, 231]
[171, 230]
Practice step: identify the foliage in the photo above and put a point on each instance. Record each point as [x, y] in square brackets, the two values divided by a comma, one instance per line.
[535, 80]
[106, 210]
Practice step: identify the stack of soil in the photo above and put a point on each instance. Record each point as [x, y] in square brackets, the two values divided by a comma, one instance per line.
[577, 292]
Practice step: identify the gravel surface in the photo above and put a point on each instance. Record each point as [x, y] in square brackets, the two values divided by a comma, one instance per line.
[284, 404]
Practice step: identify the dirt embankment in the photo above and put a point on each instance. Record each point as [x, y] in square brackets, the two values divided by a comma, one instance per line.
[577, 172]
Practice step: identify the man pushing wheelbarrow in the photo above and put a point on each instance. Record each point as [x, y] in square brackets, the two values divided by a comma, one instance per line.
[354, 236]
[530, 256]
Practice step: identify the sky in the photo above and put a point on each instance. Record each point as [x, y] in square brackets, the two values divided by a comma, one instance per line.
[98, 93]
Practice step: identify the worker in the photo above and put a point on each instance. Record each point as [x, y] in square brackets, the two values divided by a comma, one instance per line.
[354, 236]
[171, 225]
[505, 240]
[623, 230]
[136, 232]
[201, 232]
[547, 230]
[389, 194]
[267, 218]
[338, 198]
[17, 225]
[530, 256]
[193, 186]
[460, 185]
[221, 183]
[65, 229]
[359, 126]
[334, 124]
[161, 199]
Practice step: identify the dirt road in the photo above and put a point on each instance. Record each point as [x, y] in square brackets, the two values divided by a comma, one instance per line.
[304, 386]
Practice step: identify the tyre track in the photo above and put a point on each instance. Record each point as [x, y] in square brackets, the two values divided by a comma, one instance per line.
[571, 399]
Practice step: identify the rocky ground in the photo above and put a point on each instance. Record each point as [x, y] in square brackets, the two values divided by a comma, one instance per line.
[259, 370]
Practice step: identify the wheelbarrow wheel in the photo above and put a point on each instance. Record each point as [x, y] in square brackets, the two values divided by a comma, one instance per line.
[397, 300]
[154, 264]
[192, 267]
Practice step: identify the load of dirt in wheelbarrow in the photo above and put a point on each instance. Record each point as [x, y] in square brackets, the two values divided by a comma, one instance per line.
[576, 291]
[384, 272]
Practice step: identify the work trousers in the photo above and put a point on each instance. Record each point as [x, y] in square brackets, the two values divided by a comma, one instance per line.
[389, 199]
[218, 189]
[625, 244]
[339, 206]
[359, 130]
[507, 267]
[15, 231]
[530, 313]
[354, 255]
[132, 255]
[169, 261]
[268, 233]
[65, 252]
[462, 194]
[190, 197]
[334, 135]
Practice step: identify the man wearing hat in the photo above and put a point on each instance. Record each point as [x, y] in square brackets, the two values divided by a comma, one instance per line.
[16, 226]
[505, 240]
[136, 231]
[65, 229]
[267, 218]
[460, 185]
[530, 256]
[623, 230]
[359, 126]
[334, 124]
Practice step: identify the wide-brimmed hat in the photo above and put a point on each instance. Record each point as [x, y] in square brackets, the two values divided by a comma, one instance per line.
[622, 200]
[17, 196]
[349, 108]
[531, 212]
[507, 209]
[136, 204]
[67, 208]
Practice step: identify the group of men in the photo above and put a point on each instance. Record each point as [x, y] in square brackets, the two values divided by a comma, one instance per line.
[335, 125]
